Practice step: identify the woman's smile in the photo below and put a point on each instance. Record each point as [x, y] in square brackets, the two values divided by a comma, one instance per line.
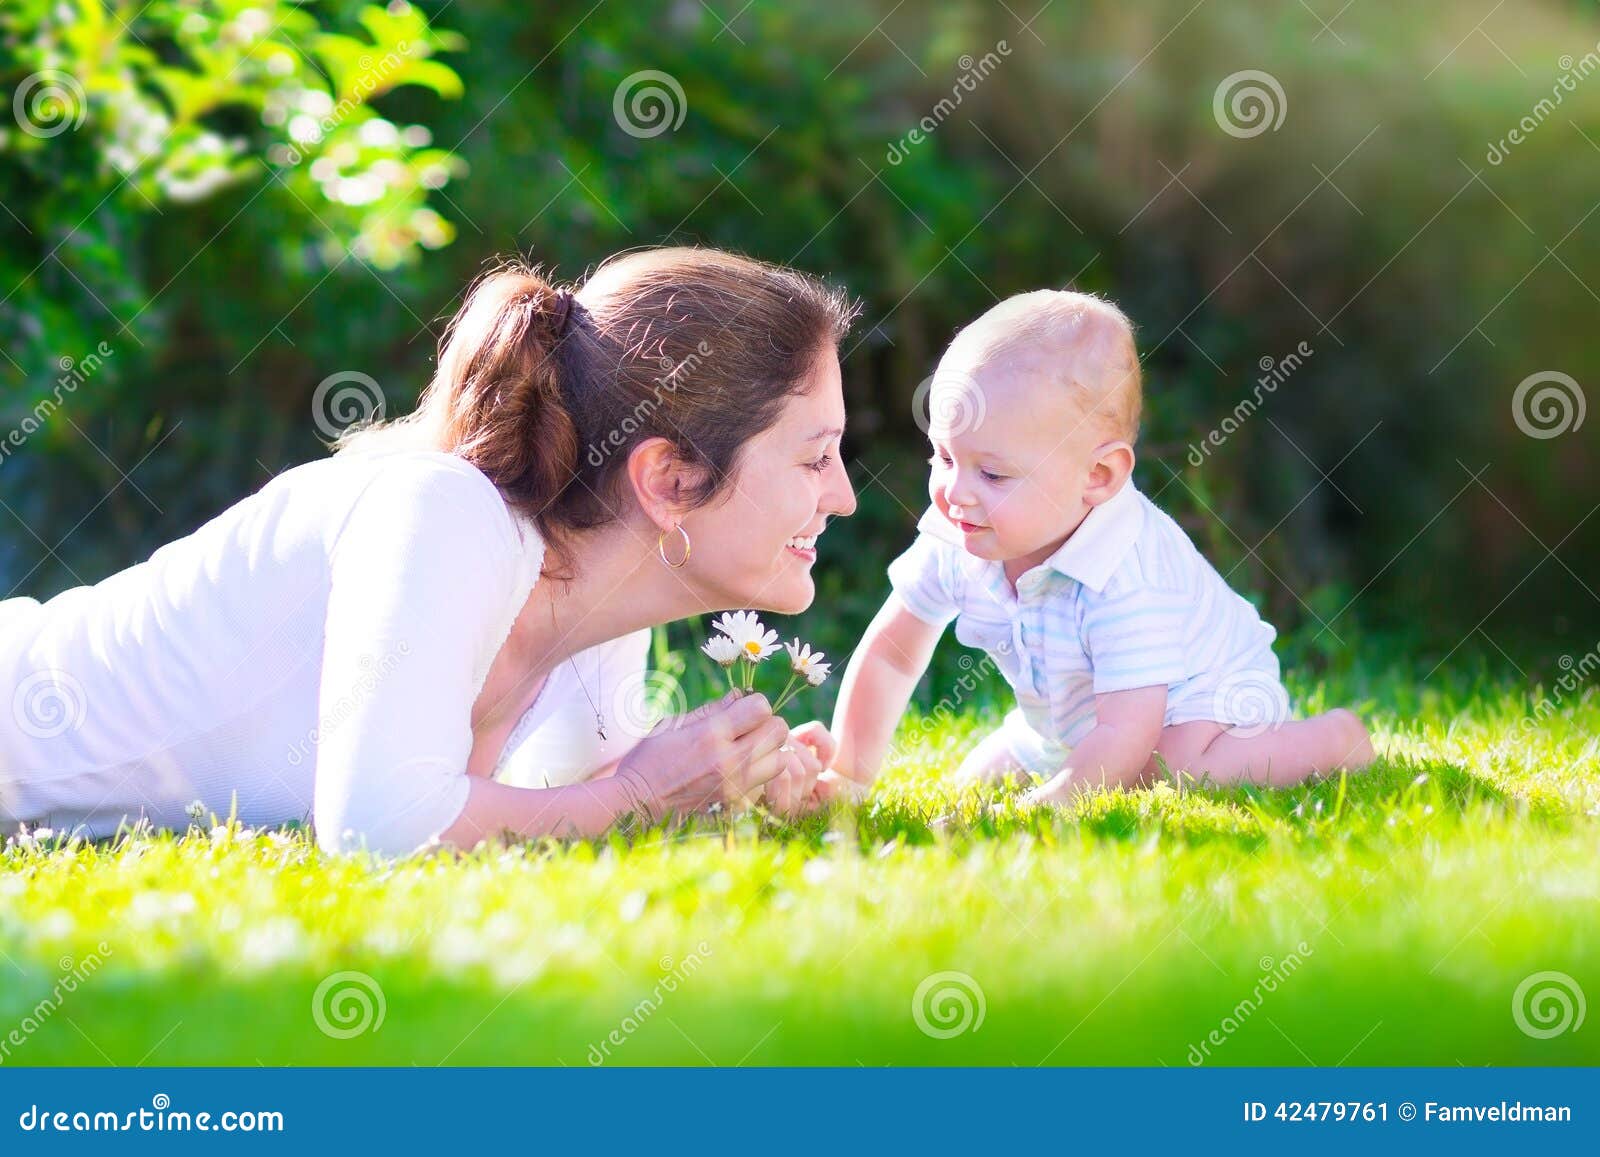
[804, 546]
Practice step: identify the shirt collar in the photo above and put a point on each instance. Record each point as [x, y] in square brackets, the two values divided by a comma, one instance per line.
[1093, 552]
[1102, 539]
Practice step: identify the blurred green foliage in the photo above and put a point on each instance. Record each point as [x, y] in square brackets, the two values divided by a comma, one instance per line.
[1384, 482]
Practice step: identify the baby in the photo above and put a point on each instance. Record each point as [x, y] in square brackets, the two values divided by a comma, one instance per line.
[1122, 644]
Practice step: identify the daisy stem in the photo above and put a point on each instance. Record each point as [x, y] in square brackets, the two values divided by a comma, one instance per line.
[788, 693]
[728, 671]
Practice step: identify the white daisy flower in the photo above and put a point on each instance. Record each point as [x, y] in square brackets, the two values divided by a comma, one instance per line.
[802, 658]
[754, 641]
[817, 673]
[730, 623]
[723, 650]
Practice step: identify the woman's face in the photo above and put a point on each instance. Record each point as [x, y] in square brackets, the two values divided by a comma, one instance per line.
[755, 548]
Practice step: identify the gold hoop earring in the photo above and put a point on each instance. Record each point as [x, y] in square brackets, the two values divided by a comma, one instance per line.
[661, 548]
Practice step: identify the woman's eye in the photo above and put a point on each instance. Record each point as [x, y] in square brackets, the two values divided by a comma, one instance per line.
[822, 463]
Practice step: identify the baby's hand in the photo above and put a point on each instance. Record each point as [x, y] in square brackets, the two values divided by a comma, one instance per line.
[836, 787]
[1062, 789]
[830, 787]
[818, 738]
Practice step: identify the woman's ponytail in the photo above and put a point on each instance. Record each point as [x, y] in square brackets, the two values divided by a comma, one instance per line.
[497, 397]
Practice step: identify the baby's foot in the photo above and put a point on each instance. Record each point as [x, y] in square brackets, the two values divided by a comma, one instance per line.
[1353, 744]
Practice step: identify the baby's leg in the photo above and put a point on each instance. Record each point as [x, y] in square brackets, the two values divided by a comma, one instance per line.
[1180, 747]
[1287, 754]
[991, 761]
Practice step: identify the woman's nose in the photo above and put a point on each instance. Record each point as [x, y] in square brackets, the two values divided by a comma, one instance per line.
[839, 497]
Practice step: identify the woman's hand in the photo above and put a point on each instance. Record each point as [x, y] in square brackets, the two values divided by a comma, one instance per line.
[720, 753]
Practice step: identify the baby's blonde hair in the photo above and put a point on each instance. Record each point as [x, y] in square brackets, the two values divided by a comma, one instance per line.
[1079, 340]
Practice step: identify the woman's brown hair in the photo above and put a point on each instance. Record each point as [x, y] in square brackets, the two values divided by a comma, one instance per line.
[547, 390]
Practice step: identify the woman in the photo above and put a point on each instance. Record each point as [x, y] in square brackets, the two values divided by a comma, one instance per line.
[357, 641]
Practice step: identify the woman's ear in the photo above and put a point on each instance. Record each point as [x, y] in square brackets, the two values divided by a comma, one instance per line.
[661, 481]
[1113, 463]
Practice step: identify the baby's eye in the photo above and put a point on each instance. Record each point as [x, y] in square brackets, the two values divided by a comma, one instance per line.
[939, 460]
[988, 477]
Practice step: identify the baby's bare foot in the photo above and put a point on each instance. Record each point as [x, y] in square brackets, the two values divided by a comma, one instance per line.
[1353, 741]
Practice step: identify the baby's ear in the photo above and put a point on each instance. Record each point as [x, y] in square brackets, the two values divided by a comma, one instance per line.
[1113, 463]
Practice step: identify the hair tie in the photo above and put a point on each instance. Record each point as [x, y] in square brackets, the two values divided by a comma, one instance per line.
[562, 313]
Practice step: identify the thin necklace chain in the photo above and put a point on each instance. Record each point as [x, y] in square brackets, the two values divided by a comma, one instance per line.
[599, 719]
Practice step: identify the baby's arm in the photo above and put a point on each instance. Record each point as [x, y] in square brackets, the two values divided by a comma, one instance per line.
[877, 686]
[1114, 754]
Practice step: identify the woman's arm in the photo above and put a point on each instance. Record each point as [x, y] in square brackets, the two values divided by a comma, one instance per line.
[425, 576]
[722, 752]
[577, 810]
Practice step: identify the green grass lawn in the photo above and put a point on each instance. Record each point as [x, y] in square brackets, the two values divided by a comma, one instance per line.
[1387, 919]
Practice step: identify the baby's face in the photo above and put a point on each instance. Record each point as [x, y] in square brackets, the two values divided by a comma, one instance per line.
[1012, 455]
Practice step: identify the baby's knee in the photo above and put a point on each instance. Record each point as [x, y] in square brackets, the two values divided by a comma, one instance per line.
[992, 761]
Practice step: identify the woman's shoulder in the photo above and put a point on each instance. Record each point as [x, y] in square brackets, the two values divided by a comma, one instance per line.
[414, 485]
[427, 467]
